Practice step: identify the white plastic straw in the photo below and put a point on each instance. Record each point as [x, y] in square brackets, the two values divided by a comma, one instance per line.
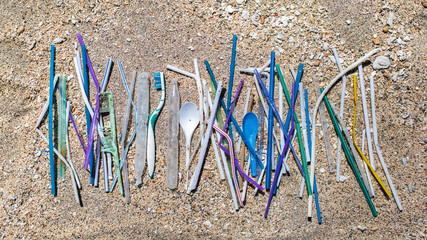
[337, 60]
[366, 115]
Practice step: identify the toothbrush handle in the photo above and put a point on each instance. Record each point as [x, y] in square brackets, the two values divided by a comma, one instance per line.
[151, 149]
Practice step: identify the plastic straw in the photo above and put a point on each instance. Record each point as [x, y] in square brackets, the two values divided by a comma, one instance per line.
[337, 60]
[316, 197]
[366, 115]
[51, 157]
[332, 166]
[270, 152]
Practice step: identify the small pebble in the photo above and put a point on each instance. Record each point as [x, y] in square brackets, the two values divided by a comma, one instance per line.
[410, 188]
[361, 228]
[385, 29]
[348, 22]
[240, 1]
[208, 223]
[58, 40]
[20, 30]
[343, 178]
[381, 62]
[322, 170]
[376, 41]
[404, 161]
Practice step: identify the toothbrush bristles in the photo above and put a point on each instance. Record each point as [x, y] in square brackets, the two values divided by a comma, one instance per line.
[158, 76]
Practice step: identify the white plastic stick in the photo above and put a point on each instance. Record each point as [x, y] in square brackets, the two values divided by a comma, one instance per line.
[380, 156]
[314, 117]
[337, 60]
[366, 115]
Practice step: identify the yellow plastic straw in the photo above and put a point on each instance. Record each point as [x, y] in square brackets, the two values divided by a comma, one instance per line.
[354, 140]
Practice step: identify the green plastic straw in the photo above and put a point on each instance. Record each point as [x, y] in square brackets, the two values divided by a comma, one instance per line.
[62, 122]
[349, 156]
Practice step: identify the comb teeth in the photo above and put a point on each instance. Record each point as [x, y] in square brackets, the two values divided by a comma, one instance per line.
[158, 80]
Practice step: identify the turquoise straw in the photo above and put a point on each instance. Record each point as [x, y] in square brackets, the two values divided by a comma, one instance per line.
[51, 156]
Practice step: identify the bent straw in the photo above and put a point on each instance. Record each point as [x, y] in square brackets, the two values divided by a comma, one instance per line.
[279, 164]
[314, 117]
[380, 156]
[349, 156]
[332, 166]
[337, 60]
[366, 115]
[204, 146]
[358, 149]
[236, 161]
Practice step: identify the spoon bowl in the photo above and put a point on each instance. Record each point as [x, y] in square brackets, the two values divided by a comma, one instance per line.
[250, 129]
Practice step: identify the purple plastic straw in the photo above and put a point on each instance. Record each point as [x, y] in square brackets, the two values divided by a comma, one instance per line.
[276, 175]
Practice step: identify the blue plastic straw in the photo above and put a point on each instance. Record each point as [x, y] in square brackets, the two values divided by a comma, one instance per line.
[51, 156]
[270, 122]
[316, 198]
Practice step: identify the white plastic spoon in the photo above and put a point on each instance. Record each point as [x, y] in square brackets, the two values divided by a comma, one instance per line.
[189, 118]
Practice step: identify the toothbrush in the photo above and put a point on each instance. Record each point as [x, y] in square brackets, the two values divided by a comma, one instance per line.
[159, 82]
